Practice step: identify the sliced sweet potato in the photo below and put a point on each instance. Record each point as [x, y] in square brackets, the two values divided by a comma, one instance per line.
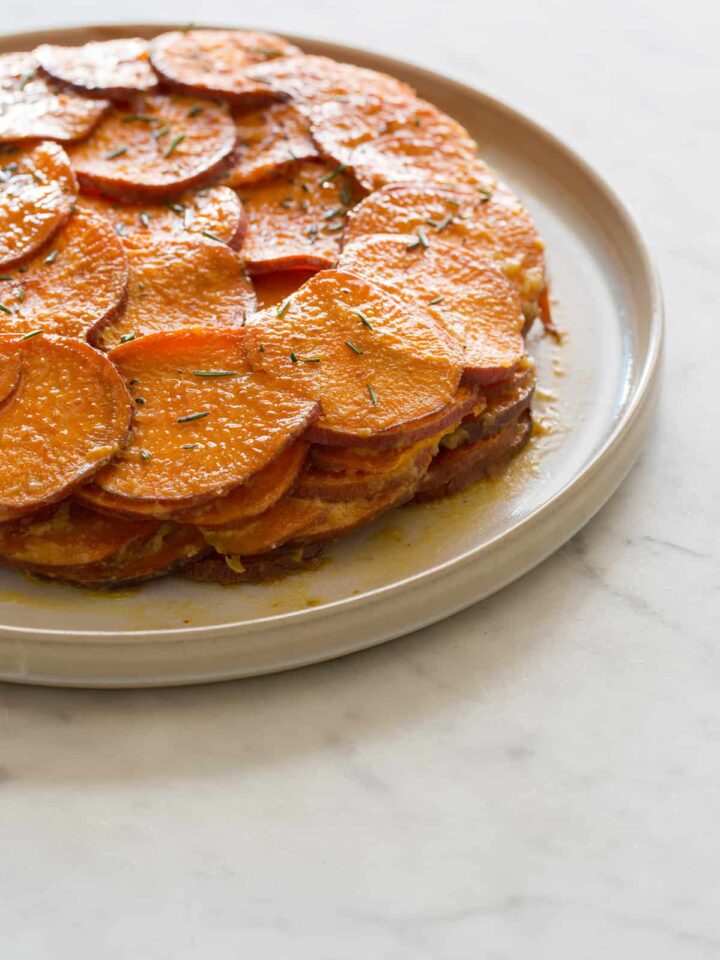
[333, 486]
[168, 549]
[33, 108]
[213, 63]
[469, 296]
[390, 141]
[67, 418]
[215, 213]
[257, 494]
[295, 221]
[271, 288]
[454, 470]
[180, 283]
[73, 287]
[10, 370]
[271, 566]
[309, 81]
[380, 459]
[287, 519]
[109, 68]
[204, 422]
[487, 224]
[156, 147]
[71, 535]
[373, 362]
[270, 141]
[37, 192]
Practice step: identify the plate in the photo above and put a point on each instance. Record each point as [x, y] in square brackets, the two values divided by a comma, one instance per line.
[419, 564]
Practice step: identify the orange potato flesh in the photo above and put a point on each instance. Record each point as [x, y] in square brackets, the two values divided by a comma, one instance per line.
[333, 486]
[285, 520]
[295, 221]
[73, 287]
[32, 108]
[310, 81]
[111, 68]
[10, 370]
[215, 210]
[180, 283]
[213, 63]
[269, 141]
[254, 496]
[271, 288]
[71, 535]
[157, 146]
[166, 550]
[37, 191]
[398, 142]
[196, 433]
[471, 298]
[485, 224]
[369, 378]
[66, 419]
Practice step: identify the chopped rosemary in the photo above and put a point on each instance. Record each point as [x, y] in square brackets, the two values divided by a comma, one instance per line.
[283, 308]
[212, 236]
[4, 309]
[27, 77]
[120, 229]
[422, 241]
[33, 333]
[312, 231]
[139, 118]
[117, 152]
[139, 401]
[195, 110]
[174, 143]
[193, 416]
[261, 348]
[310, 359]
[145, 455]
[333, 173]
[21, 294]
[345, 195]
[363, 319]
[5, 276]
[52, 257]
[127, 337]
[485, 194]
[354, 348]
[445, 222]
[145, 219]
[214, 373]
[175, 207]
[293, 357]
[373, 396]
[268, 54]
[188, 446]
[286, 203]
[436, 300]
[331, 214]
[334, 227]
[160, 131]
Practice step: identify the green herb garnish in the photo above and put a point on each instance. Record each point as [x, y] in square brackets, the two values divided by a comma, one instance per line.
[33, 333]
[214, 373]
[174, 143]
[333, 173]
[145, 219]
[139, 118]
[4, 309]
[373, 396]
[52, 257]
[189, 446]
[354, 348]
[194, 111]
[435, 301]
[363, 319]
[212, 236]
[193, 416]
[117, 152]
[127, 337]
[145, 455]
[283, 308]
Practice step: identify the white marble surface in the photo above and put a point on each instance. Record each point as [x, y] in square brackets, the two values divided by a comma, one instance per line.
[537, 777]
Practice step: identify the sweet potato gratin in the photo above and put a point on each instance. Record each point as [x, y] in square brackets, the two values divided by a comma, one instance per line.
[249, 300]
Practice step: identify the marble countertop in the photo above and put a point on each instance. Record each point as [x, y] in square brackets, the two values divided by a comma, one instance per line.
[537, 776]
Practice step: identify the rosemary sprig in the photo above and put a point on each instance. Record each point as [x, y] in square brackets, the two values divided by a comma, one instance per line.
[174, 144]
[193, 416]
[354, 348]
[373, 396]
[117, 152]
[214, 373]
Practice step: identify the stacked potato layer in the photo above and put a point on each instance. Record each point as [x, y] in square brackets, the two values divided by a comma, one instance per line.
[250, 299]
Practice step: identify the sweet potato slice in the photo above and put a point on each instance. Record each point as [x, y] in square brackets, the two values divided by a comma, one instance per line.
[215, 213]
[71, 535]
[373, 362]
[37, 191]
[109, 68]
[33, 108]
[286, 520]
[10, 370]
[484, 223]
[398, 142]
[271, 566]
[295, 221]
[256, 495]
[170, 548]
[271, 288]
[270, 141]
[470, 297]
[156, 147]
[333, 486]
[311, 80]
[213, 63]
[454, 470]
[67, 418]
[180, 283]
[73, 287]
[204, 422]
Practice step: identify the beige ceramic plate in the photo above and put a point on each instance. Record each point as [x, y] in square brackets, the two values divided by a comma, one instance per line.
[420, 563]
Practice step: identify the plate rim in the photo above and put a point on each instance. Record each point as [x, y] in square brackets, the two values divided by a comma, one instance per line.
[642, 394]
